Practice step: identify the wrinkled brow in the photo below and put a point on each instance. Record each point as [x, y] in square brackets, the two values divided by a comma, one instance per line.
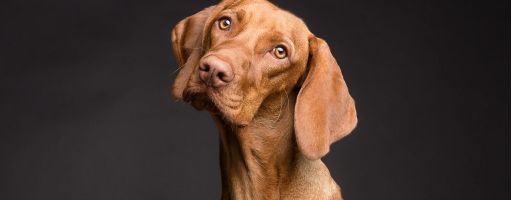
[268, 40]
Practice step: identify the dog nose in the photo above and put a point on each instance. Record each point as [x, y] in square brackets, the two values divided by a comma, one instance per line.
[215, 72]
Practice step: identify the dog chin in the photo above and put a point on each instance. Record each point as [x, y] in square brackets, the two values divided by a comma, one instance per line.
[201, 102]
[228, 115]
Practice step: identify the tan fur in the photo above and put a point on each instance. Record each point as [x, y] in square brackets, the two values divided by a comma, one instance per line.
[276, 117]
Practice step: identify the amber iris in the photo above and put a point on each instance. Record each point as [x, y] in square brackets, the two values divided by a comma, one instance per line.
[224, 23]
[280, 52]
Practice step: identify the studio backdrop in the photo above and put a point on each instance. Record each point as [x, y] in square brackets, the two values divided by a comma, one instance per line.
[87, 111]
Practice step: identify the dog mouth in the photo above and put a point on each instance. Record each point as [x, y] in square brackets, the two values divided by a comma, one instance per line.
[225, 104]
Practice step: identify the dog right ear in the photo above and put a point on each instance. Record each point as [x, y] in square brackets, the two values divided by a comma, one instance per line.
[187, 42]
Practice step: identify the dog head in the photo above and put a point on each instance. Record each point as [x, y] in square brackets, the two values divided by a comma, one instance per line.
[238, 53]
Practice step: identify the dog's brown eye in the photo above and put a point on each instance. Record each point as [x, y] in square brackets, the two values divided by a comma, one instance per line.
[224, 23]
[280, 52]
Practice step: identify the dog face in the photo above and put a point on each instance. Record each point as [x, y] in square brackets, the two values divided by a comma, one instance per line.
[235, 55]
[248, 55]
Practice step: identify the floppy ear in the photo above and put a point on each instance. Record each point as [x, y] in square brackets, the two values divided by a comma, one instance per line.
[187, 39]
[324, 112]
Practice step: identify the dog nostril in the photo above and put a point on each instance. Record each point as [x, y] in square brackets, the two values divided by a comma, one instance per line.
[222, 76]
[204, 67]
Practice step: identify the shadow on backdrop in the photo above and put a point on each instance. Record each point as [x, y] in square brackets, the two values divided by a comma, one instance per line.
[87, 111]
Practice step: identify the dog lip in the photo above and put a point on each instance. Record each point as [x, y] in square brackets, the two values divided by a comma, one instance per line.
[242, 124]
[203, 97]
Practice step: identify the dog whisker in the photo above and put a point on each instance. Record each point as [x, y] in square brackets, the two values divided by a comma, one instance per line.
[201, 48]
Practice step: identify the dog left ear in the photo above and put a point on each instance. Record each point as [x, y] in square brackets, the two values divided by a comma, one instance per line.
[324, 112]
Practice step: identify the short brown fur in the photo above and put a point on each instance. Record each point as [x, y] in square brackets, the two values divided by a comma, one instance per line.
[276, 117]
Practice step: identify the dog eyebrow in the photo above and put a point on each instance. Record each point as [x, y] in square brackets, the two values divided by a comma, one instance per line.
[278, 37]
[269, 41]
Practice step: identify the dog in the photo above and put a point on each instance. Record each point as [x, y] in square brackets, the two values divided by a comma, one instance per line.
[275, 92]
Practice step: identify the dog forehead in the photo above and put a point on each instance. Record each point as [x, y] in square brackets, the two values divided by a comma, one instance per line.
[260, 18]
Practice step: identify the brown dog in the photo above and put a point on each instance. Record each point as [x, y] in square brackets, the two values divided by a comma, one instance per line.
[275, 92]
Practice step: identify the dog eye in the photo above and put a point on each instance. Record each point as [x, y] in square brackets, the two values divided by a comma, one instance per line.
[280, 52]
[224, 23]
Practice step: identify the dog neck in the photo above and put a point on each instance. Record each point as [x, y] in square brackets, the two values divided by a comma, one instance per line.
[262, 161]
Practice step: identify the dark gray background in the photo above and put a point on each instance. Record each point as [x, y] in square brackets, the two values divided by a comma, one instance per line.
[87, 111]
